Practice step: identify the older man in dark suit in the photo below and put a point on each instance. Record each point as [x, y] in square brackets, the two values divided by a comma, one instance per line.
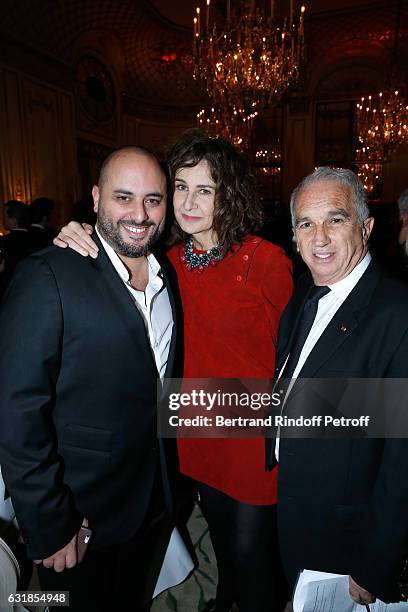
[83, 343]
[343, 503]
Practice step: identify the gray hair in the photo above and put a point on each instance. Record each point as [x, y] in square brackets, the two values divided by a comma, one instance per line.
[403, 202]
[343, 176]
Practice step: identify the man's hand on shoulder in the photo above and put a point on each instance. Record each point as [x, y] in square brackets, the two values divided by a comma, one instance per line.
[66, 558]
[358, 594]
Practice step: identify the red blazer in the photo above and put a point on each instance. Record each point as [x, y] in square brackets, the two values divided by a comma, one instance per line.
[231, 316]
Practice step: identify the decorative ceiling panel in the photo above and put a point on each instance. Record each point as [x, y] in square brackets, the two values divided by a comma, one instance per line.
[158, 57]
[362, 32]
[158, 68]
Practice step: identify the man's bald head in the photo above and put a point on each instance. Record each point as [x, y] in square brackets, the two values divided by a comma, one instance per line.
[130, 201]
[123, 153]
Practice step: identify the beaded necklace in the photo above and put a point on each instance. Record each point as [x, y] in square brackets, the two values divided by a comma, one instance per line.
[199, 261]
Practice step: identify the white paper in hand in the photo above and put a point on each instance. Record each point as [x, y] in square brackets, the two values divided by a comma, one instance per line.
[323, 592]
[6, 508]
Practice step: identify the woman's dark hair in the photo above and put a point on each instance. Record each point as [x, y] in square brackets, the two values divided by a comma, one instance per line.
[237, 210]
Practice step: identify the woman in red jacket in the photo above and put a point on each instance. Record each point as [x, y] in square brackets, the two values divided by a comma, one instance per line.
[234, 286]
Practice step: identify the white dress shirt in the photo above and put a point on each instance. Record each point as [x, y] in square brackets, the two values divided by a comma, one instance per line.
[327, 307]
[153, 304]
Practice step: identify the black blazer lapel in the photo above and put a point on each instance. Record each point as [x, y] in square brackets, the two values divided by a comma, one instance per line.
[342, 325]
[290, 319]
[170, 283]
[122, 302]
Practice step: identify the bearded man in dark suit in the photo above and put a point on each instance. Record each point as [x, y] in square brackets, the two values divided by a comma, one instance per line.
[83, 343]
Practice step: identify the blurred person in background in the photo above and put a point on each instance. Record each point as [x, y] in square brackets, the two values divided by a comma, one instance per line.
[403, 211]
[15, 245]
[403, 236]
[41, 232]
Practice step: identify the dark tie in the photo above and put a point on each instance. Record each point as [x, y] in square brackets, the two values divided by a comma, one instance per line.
[303, 328]
[299, 338]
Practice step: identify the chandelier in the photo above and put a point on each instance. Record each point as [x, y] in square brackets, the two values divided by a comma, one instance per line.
[250, 61]
[382, 121]
[265, 161]
[235, 126]
[371, 175]
[268, 160]
[382, 124]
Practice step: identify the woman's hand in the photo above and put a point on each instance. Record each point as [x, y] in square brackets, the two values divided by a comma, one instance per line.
[77, 237]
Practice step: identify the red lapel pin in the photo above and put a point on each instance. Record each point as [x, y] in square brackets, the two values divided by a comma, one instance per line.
[343, 328]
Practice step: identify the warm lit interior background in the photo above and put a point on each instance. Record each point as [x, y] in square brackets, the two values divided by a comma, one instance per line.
[79, 78]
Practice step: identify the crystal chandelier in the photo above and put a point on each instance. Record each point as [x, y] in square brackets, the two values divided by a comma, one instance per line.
[371, 175]
[251, 60]
[268, 160]
[232, 124]
[382, 124]
[382, 119]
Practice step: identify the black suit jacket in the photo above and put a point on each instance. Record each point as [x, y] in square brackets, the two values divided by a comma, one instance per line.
[77, 400]
[343, 503]
[40, 237]
[14, 247]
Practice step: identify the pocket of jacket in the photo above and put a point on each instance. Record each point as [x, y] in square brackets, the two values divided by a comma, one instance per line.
[86, 438]
[351, 517]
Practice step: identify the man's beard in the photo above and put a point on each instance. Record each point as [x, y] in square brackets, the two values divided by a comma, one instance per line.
[111, 233]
